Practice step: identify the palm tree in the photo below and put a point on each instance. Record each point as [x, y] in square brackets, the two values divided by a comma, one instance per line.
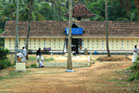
[37, 7]
[29, 21]
[58, 9]
[107, 32]
[69, 61]
[7, 10]
[17, 36]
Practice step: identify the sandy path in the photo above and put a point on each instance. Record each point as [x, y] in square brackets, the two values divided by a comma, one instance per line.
[95, 79]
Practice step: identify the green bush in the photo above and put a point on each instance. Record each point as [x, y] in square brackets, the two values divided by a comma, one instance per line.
[131, 77]
[3, 53]
[134, 76]
[33, 66]
[4, 63]
[137, 75]
[135, 66]
[138, 58]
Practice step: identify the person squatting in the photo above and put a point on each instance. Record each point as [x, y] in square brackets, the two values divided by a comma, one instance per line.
[21, 55]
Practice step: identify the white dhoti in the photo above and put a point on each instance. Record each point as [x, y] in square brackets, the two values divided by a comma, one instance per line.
[41, 64]
[40, 60]
[134, 57]
[38, 57]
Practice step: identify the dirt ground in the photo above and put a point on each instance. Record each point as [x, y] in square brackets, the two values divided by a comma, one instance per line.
[101, 77]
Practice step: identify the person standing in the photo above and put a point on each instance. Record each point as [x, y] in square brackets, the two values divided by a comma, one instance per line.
[135, 54]
[24, 52]
[39, 57]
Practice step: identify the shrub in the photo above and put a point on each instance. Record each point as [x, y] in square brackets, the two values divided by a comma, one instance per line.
[4, 63]
[3, 53]
[135, 66]
[33, 66]
[134, 76]
[14, 73]
[138, 58]
[137, 75]
[131, 77]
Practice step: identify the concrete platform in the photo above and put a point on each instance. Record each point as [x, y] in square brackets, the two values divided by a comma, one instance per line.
[20, 66]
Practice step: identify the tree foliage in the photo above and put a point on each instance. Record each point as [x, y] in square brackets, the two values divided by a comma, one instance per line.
[55, 9]
[128, 4]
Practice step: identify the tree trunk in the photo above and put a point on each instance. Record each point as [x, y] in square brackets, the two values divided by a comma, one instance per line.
[137, 5]
[29, 22]
[17, 34]
[106, 28]
[69, 61]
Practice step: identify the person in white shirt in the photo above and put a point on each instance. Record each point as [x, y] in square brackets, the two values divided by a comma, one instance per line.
[24, 52]
[39, 57]
[135, 54]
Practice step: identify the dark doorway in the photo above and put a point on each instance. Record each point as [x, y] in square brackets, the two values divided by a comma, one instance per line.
[76, 44]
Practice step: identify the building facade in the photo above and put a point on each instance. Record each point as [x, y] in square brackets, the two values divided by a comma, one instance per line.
[50, 34]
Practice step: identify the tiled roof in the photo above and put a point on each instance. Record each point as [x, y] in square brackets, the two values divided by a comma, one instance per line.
[54, 29]
[81, 10]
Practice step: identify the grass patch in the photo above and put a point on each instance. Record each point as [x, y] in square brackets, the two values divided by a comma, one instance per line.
[32, 62]
[1, 78]
[48, 59]
[64, 64]
[33, 58]
[119, 82]
[14, 74]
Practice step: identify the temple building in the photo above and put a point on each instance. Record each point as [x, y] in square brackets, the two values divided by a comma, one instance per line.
[86, 34]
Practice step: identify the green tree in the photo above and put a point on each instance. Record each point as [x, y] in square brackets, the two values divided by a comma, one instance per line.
[98, 9]
[29, 23]
[116, 10]
[127, 4]
[8, 10]
[37, 8]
